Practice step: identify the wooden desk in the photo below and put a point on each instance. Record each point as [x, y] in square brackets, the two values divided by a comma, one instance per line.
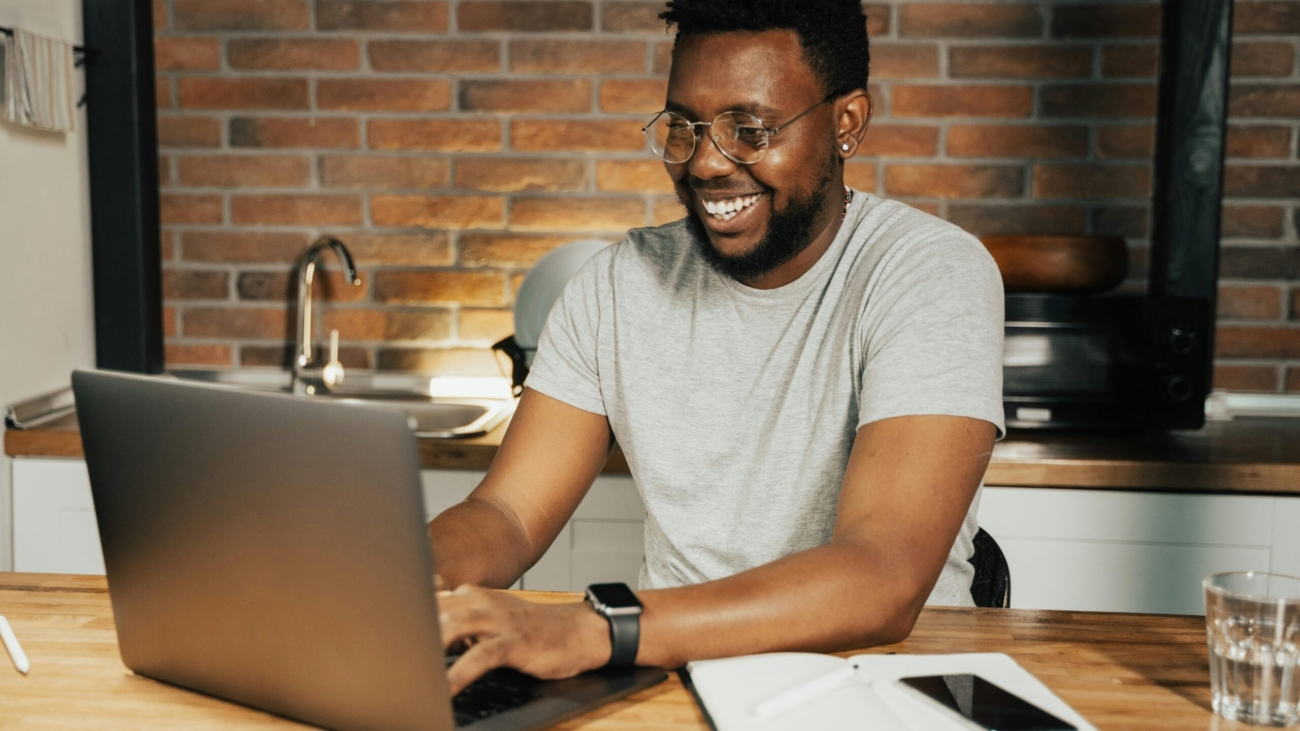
[1119, 671]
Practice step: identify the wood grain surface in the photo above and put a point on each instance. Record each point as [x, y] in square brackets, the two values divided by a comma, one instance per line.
[1260, 456]
[1059, 264]
[1121, 671]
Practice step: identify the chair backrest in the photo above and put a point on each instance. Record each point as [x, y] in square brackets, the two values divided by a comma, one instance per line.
[992, 584]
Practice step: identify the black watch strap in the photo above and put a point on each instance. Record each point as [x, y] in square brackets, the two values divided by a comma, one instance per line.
[624, 639]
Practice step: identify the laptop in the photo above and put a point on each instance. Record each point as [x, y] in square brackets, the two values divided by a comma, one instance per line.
[272, 550]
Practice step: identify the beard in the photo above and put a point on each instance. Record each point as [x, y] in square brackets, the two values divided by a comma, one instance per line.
[788, 233]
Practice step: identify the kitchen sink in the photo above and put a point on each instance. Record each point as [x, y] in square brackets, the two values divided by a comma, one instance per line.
[436, 406]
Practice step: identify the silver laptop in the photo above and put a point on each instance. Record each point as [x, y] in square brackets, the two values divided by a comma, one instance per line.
[272, 550]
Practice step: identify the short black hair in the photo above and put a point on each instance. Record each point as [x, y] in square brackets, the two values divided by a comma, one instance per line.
[832, 33]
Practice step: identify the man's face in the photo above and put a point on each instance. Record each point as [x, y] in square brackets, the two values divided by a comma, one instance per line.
[764, 74]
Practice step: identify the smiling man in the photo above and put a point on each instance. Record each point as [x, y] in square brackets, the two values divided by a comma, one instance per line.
[805, 380]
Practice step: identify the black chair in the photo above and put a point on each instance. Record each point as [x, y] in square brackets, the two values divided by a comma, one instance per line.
[992, 584]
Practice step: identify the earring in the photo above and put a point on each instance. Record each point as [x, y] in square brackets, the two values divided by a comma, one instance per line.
[845, 147]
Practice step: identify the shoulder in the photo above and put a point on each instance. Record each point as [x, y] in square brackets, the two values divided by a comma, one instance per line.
[903, 240]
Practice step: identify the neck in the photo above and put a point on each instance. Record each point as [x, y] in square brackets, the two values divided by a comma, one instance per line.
[830, 217]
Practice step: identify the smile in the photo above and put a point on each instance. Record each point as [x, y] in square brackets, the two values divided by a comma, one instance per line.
[725, 210]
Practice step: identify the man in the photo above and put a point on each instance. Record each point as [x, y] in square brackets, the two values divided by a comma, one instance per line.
[805, 380]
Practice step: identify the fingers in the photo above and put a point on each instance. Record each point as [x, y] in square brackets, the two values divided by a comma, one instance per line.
[468, 614]
[477, 660]
[440, 584]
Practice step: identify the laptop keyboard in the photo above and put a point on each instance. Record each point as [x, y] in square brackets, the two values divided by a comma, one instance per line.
[497, 691]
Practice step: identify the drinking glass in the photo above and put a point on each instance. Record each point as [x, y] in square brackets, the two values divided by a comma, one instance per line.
[1252, 624]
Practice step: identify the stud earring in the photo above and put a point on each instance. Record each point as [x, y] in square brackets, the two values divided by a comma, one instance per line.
[845, 147]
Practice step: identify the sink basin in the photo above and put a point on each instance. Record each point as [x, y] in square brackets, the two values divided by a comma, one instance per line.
[436, 407]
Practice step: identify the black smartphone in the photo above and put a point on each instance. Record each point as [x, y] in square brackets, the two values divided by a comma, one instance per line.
[985, 704]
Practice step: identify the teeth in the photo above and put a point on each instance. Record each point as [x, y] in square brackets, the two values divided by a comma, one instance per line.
[727, 210]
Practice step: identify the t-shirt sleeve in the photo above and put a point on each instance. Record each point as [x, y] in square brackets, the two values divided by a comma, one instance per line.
[566, 366]
[932, 331]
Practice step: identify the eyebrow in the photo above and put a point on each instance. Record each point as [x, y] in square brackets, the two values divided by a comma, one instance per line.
[758, 110]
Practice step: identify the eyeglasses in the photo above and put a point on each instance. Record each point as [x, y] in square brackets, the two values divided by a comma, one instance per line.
[740, 136]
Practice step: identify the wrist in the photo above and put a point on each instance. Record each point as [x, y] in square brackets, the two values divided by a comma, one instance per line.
[593, 636]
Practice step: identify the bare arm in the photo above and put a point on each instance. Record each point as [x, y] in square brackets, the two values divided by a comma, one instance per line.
[548, 459]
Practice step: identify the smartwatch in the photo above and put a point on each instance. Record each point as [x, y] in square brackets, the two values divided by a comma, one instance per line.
[620, 607]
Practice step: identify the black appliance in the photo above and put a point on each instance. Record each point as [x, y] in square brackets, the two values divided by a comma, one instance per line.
[1143, 362]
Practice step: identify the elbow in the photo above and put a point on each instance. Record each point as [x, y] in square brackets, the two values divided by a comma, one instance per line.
[899, 625]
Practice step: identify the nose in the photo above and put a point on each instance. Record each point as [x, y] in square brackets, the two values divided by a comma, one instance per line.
[708, 162]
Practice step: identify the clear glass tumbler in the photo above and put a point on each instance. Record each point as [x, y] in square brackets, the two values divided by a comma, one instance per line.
[1252, 623]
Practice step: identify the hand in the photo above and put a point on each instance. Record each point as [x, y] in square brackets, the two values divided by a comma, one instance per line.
[544, 640]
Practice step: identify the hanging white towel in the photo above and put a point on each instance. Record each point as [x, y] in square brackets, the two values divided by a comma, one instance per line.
[38, 82]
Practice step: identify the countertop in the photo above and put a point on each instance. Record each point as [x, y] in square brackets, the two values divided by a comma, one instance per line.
[1248, 455]
[1120, 671]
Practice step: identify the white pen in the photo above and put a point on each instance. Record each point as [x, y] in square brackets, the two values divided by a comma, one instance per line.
[803, 693]
[15, 649]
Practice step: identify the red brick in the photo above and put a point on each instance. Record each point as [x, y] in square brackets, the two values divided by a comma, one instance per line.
[483, 289]
[427, 249]
[1126, 142]
[474, 16]
[435, 56]
[576, 214]
[174, 131]
[577, 57]
[632, 176]
[351, 171]
[178, 209]
[1130, 61]
[328, 133]
[1092, 182]
[447, 361]
[383, 95]
[161, 19]
[663, 62]
[1252, 222]
[1017, 220]
[1039, 141]
[1110, 101]
[1258, 141]
[633, 96]
[169, 322]
[962, 101]
[973, 20]
[879, 16]
[513, 174]
[860, 176]
[486, 326]
[300, 210]
[632, 17]
[576, 136]
[197, 354]
[187, 54]
[244, 247]
[1245, 378]
[242, 15]
[954, 181]
[666, 210]
[195, 284]
[904, 61]
[1262, 58]
[1273, 101]
[443, 135]
[1295, 304]
[294, 54]
[1249, 303]
[1293, 380]
[164, 170]
[506, 250]
[1106, 21]
[401, 16]
[1259, 262]
[1261, 181]
[525, 95]
[900, 140]
[1270, 16]
[1126, 221]
[1020, 62]
[283, 287]
[281, 356]
[444, 212]
[390, 325]
[225, 93]
[162, 89]
[251, 171]
[1258, 342]
[265, 323]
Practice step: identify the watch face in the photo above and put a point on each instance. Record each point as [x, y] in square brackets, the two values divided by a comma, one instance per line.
[614, 596]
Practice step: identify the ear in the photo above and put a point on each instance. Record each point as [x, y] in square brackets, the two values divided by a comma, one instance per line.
[853, 115]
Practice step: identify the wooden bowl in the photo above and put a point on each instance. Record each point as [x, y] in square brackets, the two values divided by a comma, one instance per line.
[1059, 264]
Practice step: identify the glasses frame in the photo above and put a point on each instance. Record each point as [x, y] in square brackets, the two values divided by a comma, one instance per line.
[695, 130]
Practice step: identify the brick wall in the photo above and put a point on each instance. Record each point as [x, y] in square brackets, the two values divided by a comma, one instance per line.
[451, 144]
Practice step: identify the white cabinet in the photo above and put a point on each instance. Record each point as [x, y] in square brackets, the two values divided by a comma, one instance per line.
[54, 518]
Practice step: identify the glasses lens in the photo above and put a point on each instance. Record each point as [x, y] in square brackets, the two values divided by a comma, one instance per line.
[671, 137]
[741, 136]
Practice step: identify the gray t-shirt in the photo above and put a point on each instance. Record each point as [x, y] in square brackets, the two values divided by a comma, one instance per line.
[737, 407]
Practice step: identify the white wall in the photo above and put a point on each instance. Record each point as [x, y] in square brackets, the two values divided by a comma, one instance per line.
[46, 310]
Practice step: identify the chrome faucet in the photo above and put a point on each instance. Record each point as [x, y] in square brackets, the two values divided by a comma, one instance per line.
[304, 366]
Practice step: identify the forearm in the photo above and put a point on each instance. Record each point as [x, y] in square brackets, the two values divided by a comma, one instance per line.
[835, 597]
[476, 542]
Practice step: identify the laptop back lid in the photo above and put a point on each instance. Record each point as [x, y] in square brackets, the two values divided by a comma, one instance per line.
[268, 549]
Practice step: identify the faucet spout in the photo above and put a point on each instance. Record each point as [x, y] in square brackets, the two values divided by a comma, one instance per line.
[306, 279]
